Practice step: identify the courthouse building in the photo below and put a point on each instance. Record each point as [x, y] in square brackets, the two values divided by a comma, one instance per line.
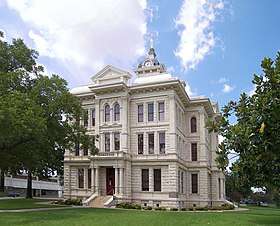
[154, 148]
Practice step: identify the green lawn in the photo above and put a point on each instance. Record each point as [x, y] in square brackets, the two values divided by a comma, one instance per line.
[22, 203]
[91, 216]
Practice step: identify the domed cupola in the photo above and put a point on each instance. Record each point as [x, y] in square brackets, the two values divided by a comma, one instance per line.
[150, 65]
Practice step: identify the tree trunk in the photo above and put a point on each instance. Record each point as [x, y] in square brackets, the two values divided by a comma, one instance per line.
[2, 181]
[29, 185]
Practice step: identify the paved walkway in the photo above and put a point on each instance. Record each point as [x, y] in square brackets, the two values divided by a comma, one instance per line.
[77, 207]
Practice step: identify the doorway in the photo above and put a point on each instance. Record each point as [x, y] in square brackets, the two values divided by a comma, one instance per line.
[110, 181]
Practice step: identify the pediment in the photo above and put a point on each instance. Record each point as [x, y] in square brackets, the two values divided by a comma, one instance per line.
[109, 75]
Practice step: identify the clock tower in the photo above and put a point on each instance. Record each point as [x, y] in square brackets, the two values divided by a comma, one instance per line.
[150, 65]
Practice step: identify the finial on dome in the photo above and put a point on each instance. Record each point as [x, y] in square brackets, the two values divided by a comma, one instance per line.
[151, 42]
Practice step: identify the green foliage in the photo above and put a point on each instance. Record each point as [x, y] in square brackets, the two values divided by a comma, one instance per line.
[36, 114]
[72, 202]
[235, 189]
[255, 136]
[173, 209]
[147, 208]
[126, 205]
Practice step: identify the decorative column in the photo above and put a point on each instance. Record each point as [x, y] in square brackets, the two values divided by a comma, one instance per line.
[92, 180]
[97, 120]
[116, 181]
[172, 121]
[124, 121]
[111, 141]
[97, 180]
[121, 181]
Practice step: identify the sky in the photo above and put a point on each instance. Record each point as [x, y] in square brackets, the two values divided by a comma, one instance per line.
[216, 46]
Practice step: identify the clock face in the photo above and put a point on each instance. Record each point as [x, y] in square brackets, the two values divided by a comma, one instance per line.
[147, 64]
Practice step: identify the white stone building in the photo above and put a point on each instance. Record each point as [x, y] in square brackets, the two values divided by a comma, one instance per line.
[154, 148]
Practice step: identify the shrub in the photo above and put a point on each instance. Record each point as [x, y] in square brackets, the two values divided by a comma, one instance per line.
[138, 206]
[74, 202]
[174, 209]
[148, 208]
[183, 209]
[126, 205]
[227, 206]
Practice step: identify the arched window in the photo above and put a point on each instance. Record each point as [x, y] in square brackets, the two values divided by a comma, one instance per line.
[193, 125]
[117, 112]
[107, 113]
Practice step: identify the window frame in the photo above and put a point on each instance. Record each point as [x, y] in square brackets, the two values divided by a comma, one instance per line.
[107, 142]
[151, 143]
[194, 183]
[193, 123]
[140, 143]
[161, 112]
[157, 179]
[107, 113]
[144, 179]
[194, 152]
[81, 179]
[117, 143]
[162, 145]
[151, 114]
[93, 117]
[117, 112]
[140, 114]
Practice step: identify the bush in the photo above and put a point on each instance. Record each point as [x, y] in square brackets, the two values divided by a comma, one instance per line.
[148, 208]
[174, 209]
[74, 202]
[183, 209]
[126, 205]
[200, 209]
[227, 206]
[138, 206]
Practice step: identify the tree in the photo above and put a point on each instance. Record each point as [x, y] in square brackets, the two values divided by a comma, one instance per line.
[255, 136]
[36, 115]
[234, 191]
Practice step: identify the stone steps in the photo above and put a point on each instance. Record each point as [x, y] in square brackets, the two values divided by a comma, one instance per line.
[100, 201]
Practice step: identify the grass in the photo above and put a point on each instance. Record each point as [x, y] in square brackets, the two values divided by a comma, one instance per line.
[91, 216]
[23, 203]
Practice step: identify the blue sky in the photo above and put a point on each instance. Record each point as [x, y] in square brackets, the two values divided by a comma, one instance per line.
[216, 46]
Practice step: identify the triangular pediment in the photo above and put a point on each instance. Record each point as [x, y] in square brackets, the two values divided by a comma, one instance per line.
[110, 74]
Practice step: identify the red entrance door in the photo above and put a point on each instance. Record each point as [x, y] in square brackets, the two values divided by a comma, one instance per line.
[110, 181]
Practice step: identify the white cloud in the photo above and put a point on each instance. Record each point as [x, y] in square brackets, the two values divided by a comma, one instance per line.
[189, 91]
[170, 69]
[222, 80]
[85, 35]
[252, 91]
[196, 36]
[227, 88]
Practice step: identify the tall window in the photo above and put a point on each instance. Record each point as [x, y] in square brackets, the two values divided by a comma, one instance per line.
[77, 148]
[117, 141]
[151, 143]
[117, 112]
[107, 113]
[145, 179]
[93, 117]
[157, 179]
[140, 113]
[86, 119]
[161, 111]
[194, 183]
[193, 125]
[140, 144]
[89, 178]
[85, 149]
[81, 178]
[194, 151]
[150, 112]
[161, 143]
[107, 142]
